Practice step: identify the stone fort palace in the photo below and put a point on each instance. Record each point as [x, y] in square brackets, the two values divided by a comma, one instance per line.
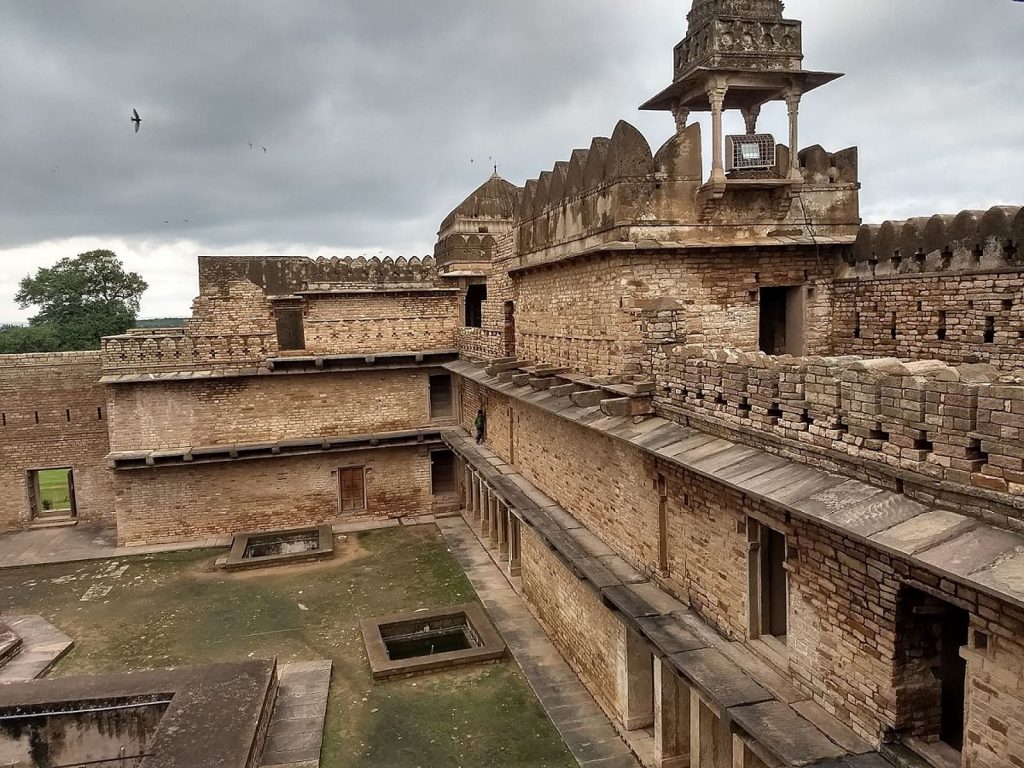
[757, 468]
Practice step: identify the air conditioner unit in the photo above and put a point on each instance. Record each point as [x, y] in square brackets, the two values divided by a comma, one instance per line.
[754, 151]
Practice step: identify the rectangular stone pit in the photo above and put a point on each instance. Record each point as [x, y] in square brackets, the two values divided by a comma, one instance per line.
[419, 643]
[266, 549]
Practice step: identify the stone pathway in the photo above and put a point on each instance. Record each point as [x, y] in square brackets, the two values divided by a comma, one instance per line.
[296, 732]
[582, 724]
[41, 645]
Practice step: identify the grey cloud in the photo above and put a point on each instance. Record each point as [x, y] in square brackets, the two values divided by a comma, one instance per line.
[371, 111]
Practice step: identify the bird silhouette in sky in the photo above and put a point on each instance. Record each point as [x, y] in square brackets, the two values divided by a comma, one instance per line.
[136, 119]
[264, 149]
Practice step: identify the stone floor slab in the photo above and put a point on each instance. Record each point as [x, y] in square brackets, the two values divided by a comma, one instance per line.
[296, 730]
[42, 644]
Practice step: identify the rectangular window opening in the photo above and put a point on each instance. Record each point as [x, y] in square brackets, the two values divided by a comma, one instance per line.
[441, 404]
[781, 320]
[940, 334]
[990, 329]
[291, 334]
[352, 488]
[53, 492]
[769, 583]
[476, 295]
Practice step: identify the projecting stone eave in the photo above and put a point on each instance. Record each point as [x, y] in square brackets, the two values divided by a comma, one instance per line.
[751, 88]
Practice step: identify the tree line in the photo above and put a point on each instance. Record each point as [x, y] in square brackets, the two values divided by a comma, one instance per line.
[80, 300]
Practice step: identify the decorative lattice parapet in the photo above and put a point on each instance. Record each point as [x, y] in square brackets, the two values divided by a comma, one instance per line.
[136, 352]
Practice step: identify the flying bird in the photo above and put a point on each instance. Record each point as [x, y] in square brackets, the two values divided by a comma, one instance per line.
[136, 119]
[264, 149]
[250, 145]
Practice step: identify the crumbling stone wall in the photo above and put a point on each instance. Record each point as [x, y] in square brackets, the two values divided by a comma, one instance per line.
[181, 503]
[256, 409]
[841, 643]
[53, 413]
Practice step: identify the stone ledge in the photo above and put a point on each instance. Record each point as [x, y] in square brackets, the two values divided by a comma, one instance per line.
[285, 366]
[215, 454]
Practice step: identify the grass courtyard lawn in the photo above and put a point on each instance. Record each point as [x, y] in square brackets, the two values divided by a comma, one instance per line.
[173, 610]
[53, 489]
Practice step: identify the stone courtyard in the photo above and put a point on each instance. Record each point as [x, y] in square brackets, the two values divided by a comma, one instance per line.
[175, 610]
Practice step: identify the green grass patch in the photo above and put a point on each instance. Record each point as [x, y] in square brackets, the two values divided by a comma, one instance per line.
[175, 609]
[54, 489]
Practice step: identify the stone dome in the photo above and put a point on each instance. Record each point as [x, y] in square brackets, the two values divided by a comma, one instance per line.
[494, 200]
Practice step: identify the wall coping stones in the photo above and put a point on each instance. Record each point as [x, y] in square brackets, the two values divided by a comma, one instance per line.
[298, 364]
[806, 492]
[213, 454]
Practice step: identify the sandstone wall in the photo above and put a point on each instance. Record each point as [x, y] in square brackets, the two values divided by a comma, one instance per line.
[586, 633]
[53, 413]
[266, 408]
[842, 640]
[608, 315]
[175, 504]
[945, 287]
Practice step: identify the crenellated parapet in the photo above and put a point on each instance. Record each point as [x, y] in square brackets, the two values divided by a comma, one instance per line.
[895, 421]
[969, 240]
[278, 275]
[618, 191]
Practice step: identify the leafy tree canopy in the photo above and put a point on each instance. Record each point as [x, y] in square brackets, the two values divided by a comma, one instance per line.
[80, 300]
[24, 339]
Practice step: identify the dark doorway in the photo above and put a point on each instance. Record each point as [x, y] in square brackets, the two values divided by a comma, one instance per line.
[290, 332]
[510, 329]
[476, 295]
[441, 396]
[931, 676]
[781, 323]
[774, 619]
[442, 473]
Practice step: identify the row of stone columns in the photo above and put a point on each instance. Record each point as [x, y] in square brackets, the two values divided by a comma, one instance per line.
[493, 520]
[689, 732]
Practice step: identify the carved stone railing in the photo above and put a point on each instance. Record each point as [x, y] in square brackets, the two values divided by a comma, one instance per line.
[137, 353]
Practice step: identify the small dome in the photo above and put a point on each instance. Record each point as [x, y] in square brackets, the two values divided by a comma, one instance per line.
[494, 199]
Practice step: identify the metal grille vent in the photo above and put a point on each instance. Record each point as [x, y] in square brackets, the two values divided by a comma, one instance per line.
[750, 151]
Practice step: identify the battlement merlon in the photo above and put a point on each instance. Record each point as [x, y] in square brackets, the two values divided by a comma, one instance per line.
[281, 275]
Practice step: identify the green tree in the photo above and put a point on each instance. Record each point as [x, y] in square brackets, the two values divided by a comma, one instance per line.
[82, 299]
[23, 339]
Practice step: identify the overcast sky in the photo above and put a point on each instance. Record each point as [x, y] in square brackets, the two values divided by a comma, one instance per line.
[379, 117]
